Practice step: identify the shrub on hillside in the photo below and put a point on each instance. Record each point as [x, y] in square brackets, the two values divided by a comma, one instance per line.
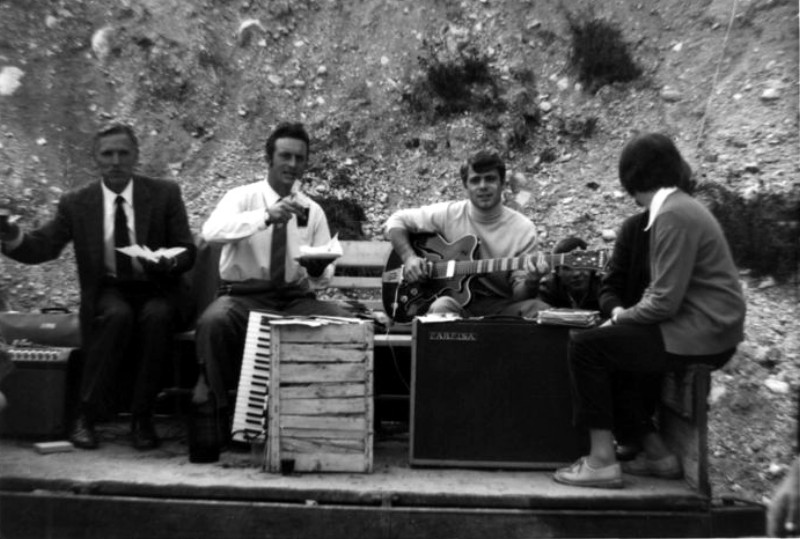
[599, 54]
[452, 82]
[762, 230]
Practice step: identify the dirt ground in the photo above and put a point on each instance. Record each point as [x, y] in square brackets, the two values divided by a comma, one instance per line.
[203, 81]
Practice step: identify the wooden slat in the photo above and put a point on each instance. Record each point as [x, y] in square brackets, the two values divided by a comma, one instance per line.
[356, 423]
[325, 352]
[324, 406]
[329, 462]
[324, 433]
[322, 445]
[684, 423]
[324, 391]
[324, 372]
[339, 333]
[364, 253]
[352, 281]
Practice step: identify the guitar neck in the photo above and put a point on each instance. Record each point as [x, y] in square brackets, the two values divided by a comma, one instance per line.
[452, 268]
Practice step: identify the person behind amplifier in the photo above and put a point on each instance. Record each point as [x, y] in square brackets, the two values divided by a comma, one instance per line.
[568, 287]
[501, 231]
[261, 227]
[692, 311]
[128, 307]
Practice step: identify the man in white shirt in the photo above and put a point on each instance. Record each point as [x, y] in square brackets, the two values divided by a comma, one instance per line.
[129, 306]
[261, 226]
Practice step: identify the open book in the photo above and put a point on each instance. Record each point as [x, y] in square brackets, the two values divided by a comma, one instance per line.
[142, 251]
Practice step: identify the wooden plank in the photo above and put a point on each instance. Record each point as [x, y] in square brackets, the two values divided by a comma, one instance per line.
[684, 423]
[324, 406]
[326, 372]
[70, 515]
[364, 253]
[324, 391]
[324, 353]
[333, 333]
[322, 445]
[357, 423]
[329, 462]
[682, 437]
[353, 281]
[324, 433]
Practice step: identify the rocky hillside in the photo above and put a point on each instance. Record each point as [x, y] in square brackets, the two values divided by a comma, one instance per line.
[396, 94]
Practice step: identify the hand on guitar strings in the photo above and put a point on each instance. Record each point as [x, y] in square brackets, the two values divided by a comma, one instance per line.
[415, 269]
[537, 267]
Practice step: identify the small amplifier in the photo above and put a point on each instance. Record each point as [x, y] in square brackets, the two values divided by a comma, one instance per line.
[38, 391]
[492, 393]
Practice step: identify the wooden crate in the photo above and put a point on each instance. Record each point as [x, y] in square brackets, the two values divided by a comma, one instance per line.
[321, 405]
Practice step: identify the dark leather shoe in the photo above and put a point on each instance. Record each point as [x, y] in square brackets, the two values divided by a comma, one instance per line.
[82, 434]
[144, 434]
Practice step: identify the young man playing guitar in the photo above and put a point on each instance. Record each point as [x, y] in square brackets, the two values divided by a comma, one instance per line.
[501, 233]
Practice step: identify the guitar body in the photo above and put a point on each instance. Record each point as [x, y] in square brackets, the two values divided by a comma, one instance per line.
[451, 268]
[403, 301]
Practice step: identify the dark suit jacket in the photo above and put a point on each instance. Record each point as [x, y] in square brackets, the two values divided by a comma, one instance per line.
[160, 220]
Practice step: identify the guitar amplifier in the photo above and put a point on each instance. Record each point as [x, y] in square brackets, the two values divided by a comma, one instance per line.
[40, 388]
[492, 393]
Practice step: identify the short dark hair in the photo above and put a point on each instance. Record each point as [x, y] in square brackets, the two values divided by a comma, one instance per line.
[294, 130]
[569, 244]
[483, 161]
[115, 129]
[652, 161]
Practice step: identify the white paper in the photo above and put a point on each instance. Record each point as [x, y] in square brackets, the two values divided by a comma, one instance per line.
[142, 251]
[330, 251]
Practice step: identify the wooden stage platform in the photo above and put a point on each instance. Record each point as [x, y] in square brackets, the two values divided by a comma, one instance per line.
[117, 491]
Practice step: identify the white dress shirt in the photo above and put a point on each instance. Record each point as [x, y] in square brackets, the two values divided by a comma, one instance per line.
[109, 212]
[239, 222]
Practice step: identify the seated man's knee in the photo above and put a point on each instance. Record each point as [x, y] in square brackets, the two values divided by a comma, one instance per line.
[445, 305]
[119, 313]
[218, 314]
[158, 311]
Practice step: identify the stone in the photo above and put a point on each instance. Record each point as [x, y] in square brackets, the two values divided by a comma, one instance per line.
[777, 386]
[770, 94]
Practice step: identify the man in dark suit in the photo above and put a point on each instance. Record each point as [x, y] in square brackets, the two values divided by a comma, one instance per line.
[128, 304]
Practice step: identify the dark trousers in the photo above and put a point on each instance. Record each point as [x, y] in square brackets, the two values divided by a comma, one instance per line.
[131, 332]
[606, 366]
[222, 328]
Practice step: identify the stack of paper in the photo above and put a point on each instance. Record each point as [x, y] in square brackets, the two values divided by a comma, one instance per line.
[569, 317]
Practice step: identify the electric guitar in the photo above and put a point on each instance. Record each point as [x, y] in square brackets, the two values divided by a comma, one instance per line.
[451, 268]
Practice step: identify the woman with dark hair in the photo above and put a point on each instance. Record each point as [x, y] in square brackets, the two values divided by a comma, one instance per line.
[692, 311]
